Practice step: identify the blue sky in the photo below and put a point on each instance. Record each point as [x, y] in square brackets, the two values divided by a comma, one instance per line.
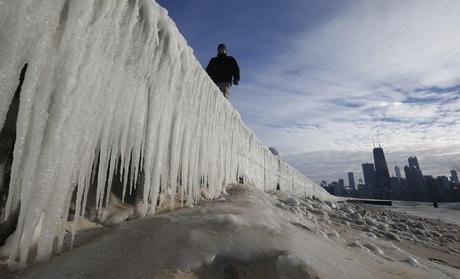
[319, 79]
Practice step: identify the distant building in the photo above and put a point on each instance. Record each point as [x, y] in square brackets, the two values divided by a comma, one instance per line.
[413, 162]
[382, 176]
[434, 188]
[415, 181]
[340, 187]
[397, 172]
[446, 187]
[411, 184]
[369, 175]
[396, 190]
[351, 181]
[333, 188]
[404, 189]
[369, 181]
[454, 176]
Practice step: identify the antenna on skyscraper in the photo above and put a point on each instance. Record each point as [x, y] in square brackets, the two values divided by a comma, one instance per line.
[378, 140]
[373, 142]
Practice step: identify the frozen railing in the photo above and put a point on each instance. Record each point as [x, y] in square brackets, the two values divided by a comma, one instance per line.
[112, 88]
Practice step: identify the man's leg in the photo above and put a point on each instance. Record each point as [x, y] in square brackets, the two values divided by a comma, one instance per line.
[225, 88]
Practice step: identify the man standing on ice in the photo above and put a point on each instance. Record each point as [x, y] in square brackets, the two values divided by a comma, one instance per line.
[223, 69]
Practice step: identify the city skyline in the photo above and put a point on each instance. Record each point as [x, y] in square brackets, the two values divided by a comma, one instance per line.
[378, 184]
[360, 175]
[334, 165]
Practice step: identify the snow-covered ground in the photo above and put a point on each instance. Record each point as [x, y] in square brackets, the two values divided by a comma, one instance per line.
[248, 233]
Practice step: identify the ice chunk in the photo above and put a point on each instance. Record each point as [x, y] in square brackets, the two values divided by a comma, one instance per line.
[331, 204]
[116, 212]
[374, 248]
[347, 209]
[333, 234]
[293, 201]
[411, 260]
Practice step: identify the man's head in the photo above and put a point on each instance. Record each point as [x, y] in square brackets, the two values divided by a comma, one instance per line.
[221, 49]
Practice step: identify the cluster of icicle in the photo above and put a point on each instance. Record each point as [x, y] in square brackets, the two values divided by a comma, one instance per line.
[115, 79]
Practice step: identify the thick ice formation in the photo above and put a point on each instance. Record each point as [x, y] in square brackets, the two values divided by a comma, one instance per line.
[234, 238]
[112, 86]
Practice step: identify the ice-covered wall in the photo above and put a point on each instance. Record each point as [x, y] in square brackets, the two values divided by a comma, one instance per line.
[112, 86]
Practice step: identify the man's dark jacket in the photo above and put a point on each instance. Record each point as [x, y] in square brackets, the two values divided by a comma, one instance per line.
[222, 68]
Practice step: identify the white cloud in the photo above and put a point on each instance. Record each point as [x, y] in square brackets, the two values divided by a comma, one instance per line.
[368, 54]
[359, 74]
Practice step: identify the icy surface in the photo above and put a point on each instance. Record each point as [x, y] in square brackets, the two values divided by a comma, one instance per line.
[448, 212]
[112, 86]
[254, 234]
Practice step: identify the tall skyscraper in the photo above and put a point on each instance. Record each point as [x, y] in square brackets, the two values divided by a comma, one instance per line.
[445, 188]
[416, 181]
[454, 176]
[351, 181]
[413, 163]
[339, 188]
[382, 176]
[411, 184]
[434, 188]
[333, 188]
[396, 191]
[397, 172]
[369, 174]
[341, 182]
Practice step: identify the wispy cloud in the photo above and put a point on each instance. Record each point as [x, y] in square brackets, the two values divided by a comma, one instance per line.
[387, 68]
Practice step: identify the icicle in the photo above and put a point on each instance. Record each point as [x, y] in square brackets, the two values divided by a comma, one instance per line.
[112, 88]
